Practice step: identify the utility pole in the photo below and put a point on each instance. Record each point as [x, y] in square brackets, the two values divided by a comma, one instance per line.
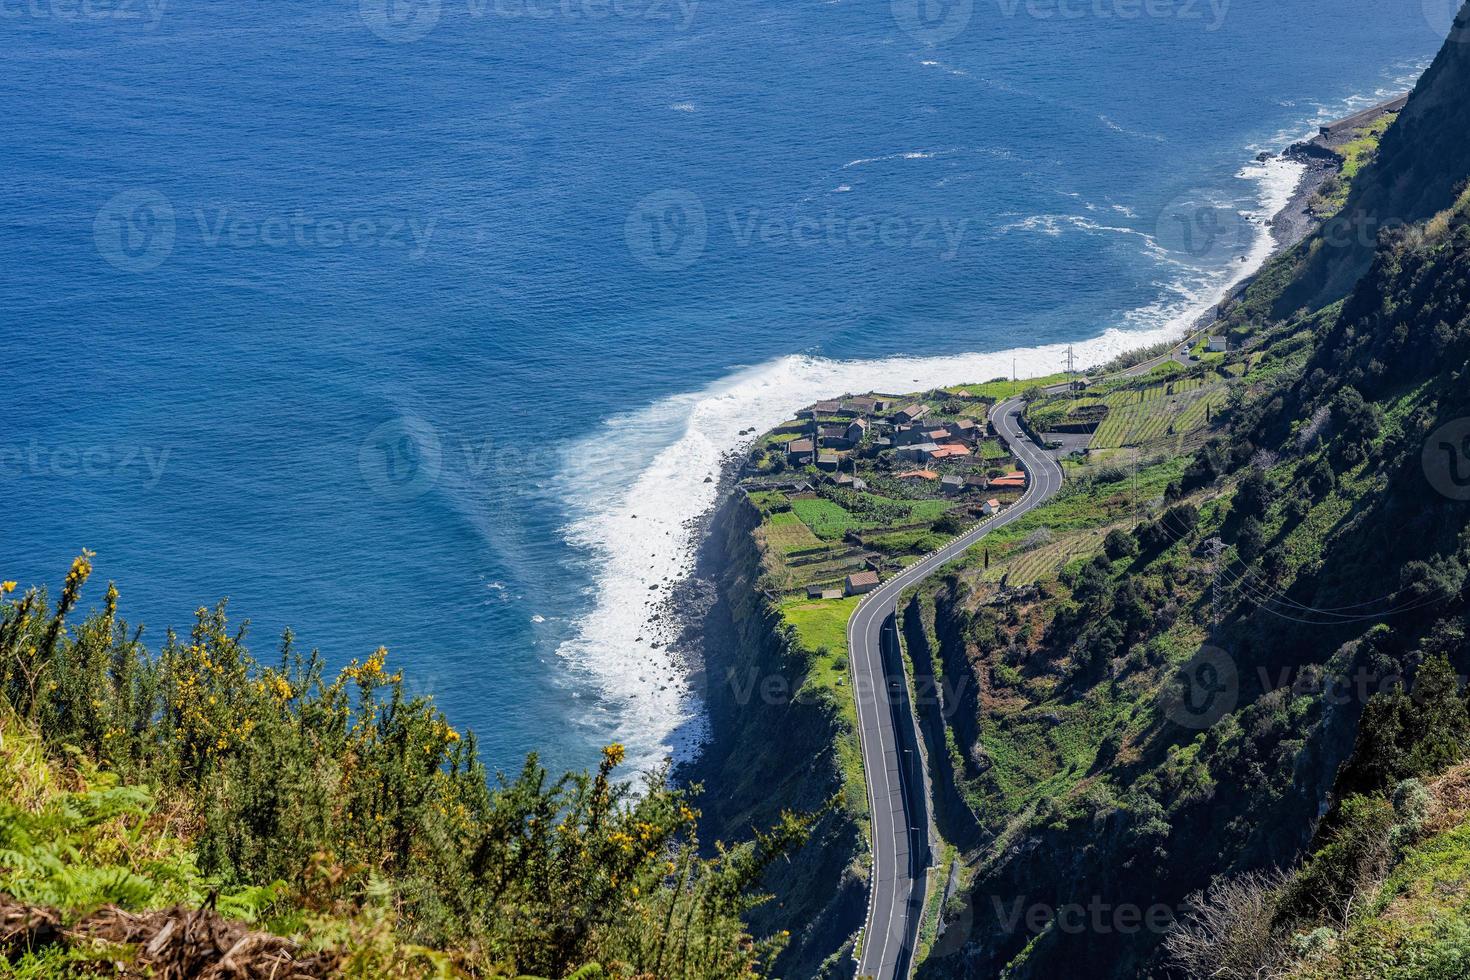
[1135, 479]
[1215, 547]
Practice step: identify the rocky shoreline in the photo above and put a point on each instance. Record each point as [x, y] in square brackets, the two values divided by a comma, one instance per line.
[1319, 155]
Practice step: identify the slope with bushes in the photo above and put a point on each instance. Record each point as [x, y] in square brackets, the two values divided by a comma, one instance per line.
[335, 813]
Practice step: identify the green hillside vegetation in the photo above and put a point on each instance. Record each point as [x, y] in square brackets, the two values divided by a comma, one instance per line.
[1289, 823]
[337, 812]
[1356, 154]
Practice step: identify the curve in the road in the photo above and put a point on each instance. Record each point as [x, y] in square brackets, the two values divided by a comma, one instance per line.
[895, 899]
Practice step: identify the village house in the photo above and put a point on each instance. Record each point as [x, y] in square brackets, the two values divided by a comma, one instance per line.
[823, 592]
[800, 451]
[977, 481]
[967, 430]
[850, 481]
[1011, 481]
[869, 405]
[917, 475]
[952, 484]
[950, 450]
[828, 460]
[917, 453]
[991, 507]
[826, 408]
[857, 430]
[910, 415]
[830, 435]
[910, 435]
[1218, 345]
[862, 583]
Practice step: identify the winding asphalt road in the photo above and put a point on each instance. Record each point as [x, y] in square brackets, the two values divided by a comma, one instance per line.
[898, 816]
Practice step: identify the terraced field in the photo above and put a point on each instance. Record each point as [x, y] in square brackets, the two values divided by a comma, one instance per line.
[785, 533]
[1160, 412]
[1025, 567]
[1133, 422]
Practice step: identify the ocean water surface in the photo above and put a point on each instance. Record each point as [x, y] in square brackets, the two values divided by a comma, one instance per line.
[421, 323]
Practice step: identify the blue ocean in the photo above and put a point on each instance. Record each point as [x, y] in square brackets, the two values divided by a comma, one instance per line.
[423, 323]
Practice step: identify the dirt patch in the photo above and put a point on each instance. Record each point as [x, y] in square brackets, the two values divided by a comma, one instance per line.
[1451, 800]
[174, 944]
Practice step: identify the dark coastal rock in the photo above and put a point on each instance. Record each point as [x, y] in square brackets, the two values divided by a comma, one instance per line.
[1308, 151]
[1265, 156]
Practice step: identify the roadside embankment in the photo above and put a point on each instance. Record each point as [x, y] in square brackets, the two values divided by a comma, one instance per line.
[773, 747]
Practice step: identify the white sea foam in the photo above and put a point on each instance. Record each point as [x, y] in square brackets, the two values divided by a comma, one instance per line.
[906, 155]
[637, 486]
[1115, 127]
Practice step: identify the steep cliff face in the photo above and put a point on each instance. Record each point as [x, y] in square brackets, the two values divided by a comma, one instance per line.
[1422, 163]
[947, 704]
[773, 749]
